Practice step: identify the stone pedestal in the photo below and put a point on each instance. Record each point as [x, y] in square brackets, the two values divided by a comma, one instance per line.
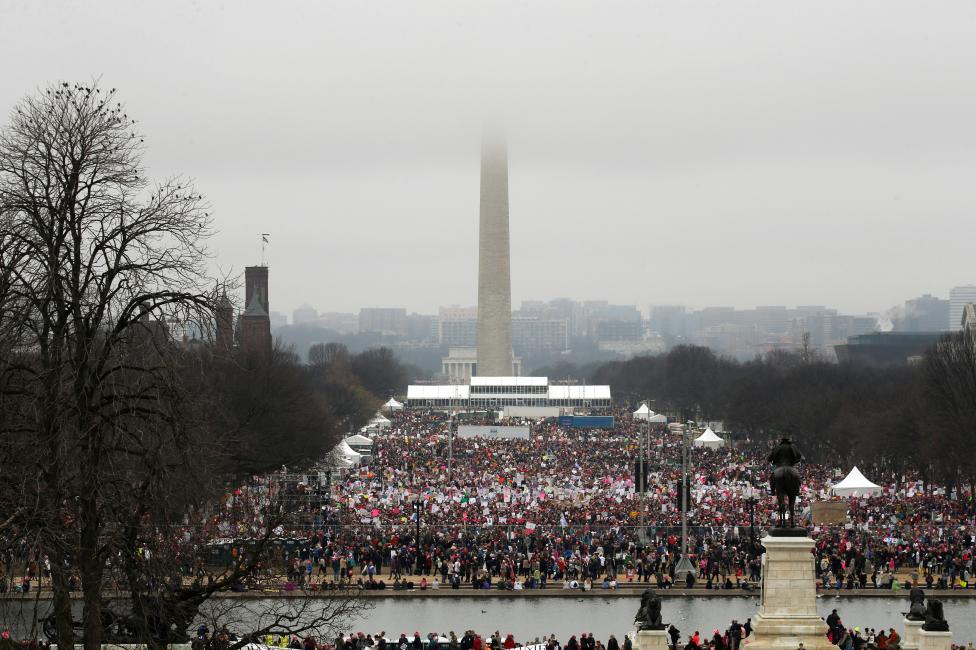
[788, 609]
[650, 640]
[934, 640]
[910, 640]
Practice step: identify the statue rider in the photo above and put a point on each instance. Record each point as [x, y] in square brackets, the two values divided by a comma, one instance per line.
[783, 454]
[784, 480]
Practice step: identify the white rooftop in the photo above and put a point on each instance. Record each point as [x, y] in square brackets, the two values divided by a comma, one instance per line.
[438, 391]
[579, 392]
[509, 381]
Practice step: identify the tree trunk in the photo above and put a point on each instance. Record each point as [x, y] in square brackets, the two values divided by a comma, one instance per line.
[61, 604]
[92, 570]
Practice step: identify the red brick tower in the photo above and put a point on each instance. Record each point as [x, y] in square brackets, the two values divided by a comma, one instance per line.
[256, 320]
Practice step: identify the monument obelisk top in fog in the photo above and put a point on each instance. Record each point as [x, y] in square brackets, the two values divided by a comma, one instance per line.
[494, 273]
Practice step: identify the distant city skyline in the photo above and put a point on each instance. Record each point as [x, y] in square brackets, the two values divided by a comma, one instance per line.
[562, 330]
[643, 307]
[706, 154]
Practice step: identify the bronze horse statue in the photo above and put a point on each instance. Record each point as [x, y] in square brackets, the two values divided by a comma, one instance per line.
[785, 480]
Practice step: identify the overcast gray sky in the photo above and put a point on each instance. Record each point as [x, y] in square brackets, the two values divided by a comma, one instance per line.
[702, 153]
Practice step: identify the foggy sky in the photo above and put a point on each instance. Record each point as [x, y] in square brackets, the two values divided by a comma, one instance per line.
[700, 153]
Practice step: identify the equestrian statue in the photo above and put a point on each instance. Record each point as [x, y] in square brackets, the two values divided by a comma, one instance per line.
[784, 480]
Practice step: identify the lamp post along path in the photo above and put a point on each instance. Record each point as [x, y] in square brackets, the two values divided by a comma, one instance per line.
[684, 566]
[642, 480]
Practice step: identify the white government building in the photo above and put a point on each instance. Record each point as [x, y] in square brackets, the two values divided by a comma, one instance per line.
[519, 396]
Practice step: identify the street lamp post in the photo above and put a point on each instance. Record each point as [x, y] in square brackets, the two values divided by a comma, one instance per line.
[642, 480]
[417, 502]
[750, 494]
[684, 566]
[450, 437]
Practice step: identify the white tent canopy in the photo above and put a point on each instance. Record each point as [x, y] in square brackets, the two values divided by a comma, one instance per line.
[643, 413]
[658, 419]
[348, 452]
[338, 462]
[379, 421]
[359, 440]
[344, 457]
[709, 440]
[392, 405]
[856, 484]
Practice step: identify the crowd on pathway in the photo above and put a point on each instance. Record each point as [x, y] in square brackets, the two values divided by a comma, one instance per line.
[562, 509]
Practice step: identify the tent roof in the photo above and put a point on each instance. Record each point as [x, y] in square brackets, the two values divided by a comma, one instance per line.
[347, 451]
[393, 402]
[660, 417]
[358, 439]
[379, 418]
[708, 436]
[855, 481]
[443, 391]
[643, 409]
[342, 462]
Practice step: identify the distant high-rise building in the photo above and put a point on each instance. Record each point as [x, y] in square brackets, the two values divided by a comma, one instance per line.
[772, 319]
[615, 323]
[570, 310]
[618, 330]
[304, 314]
[712, 316]
[668, 320]
[457, 327]
[385, 320]
[534, 334]
[420, 327]
[845, 327]
[924, 314]
[819, 324]
[959, 297]
[533, 309]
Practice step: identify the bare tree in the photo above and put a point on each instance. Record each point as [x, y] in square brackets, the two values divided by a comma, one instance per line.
[126, 440]
[174, 578]
[299, 616]
[95, 261]
[949, 385]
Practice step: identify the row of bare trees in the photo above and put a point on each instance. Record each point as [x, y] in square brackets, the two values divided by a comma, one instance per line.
[115, 441]
[891, 420]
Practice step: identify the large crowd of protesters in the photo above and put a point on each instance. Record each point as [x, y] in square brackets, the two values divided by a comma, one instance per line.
[429, 509]
[562, 509]
[433, 510]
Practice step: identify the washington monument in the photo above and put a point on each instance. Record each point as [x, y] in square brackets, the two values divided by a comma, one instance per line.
[494, 275]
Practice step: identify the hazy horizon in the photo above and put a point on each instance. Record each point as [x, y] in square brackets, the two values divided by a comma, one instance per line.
[702, 154]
